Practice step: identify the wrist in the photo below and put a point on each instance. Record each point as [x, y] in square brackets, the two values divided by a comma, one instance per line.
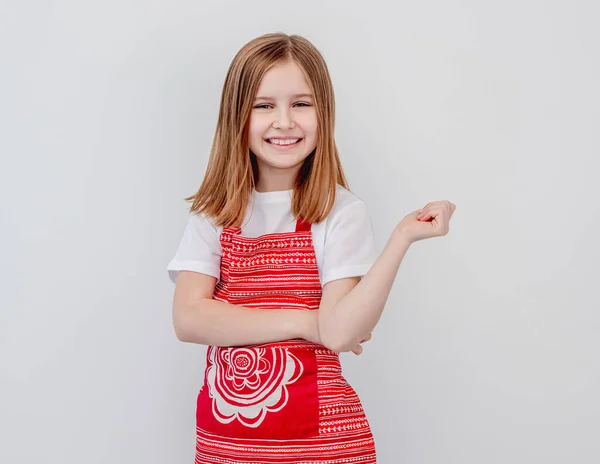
[301, 323]
[401, 237]
[308, 328]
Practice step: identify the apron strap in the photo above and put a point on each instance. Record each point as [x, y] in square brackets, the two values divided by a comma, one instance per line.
[302, 226]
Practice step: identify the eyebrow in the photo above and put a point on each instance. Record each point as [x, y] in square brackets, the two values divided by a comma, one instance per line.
[299, 95]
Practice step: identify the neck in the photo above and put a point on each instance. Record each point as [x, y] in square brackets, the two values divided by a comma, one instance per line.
[273, 180]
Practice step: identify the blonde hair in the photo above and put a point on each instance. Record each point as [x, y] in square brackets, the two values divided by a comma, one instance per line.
[232, 172]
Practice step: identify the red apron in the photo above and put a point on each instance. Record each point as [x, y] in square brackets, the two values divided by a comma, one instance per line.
[284, 402]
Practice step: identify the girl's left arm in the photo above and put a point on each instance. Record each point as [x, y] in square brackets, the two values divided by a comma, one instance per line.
[351, 307]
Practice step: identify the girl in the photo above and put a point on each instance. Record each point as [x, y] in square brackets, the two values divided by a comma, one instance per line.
[277, 271]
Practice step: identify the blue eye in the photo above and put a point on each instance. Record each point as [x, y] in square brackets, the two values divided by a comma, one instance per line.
[262, 106]
[303, 104]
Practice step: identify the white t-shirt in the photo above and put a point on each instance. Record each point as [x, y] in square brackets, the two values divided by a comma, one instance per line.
[344, 242]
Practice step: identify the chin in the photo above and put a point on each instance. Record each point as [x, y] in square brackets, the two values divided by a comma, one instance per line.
[281, 161]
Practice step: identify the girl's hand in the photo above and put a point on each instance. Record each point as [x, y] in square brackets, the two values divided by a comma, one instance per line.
[431, 221]
[359, 349]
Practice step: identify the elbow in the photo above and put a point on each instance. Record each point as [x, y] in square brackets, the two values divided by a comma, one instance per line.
[183, 326]
[181, 329]
[336, 341]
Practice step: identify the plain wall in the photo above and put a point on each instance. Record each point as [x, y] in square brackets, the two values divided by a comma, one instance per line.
[488, 348]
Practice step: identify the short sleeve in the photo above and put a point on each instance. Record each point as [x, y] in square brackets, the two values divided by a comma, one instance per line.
[349, 248]
[199, 249]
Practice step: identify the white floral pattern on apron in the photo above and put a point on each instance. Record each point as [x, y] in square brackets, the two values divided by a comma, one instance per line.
[247, 383]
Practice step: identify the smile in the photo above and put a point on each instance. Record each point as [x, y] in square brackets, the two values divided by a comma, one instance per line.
[283, 142]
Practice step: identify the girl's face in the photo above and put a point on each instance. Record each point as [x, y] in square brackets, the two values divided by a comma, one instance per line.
[283, 124]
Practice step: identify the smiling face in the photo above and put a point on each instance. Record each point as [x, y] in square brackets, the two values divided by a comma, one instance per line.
[283, 126]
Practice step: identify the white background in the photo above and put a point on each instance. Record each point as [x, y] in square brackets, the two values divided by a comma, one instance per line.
[488, 349]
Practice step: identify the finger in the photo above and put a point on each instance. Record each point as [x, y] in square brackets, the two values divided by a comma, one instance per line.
[357, 350]
[432, 204]
[437, 203]
[437, 215]
[449, 206]
[423, 215]
[426, 211]
[429, 214]
[366, 339]
[440, 222]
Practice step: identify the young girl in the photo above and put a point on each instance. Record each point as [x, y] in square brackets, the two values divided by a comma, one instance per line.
[277, 271]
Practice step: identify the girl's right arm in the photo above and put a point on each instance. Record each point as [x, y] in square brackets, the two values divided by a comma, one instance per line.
[198, 318]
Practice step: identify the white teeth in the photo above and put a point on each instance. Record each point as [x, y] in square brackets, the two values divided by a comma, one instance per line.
[282, 142]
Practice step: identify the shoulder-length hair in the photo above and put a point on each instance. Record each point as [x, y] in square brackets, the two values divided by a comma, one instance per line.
[232, 171]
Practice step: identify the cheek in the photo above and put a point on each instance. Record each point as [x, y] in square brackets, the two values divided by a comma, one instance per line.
[256, 131]
[309, 125]
[258, 125]
[311, 135]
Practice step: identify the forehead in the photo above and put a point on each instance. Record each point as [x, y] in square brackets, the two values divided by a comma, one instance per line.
[283, 79]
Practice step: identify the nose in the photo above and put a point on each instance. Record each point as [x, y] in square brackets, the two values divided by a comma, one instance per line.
[283, 119]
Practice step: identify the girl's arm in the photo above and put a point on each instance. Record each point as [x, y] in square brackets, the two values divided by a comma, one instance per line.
[197, 318]
[350, 309]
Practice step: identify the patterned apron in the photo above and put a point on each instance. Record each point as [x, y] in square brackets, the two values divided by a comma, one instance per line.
[284, 402]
